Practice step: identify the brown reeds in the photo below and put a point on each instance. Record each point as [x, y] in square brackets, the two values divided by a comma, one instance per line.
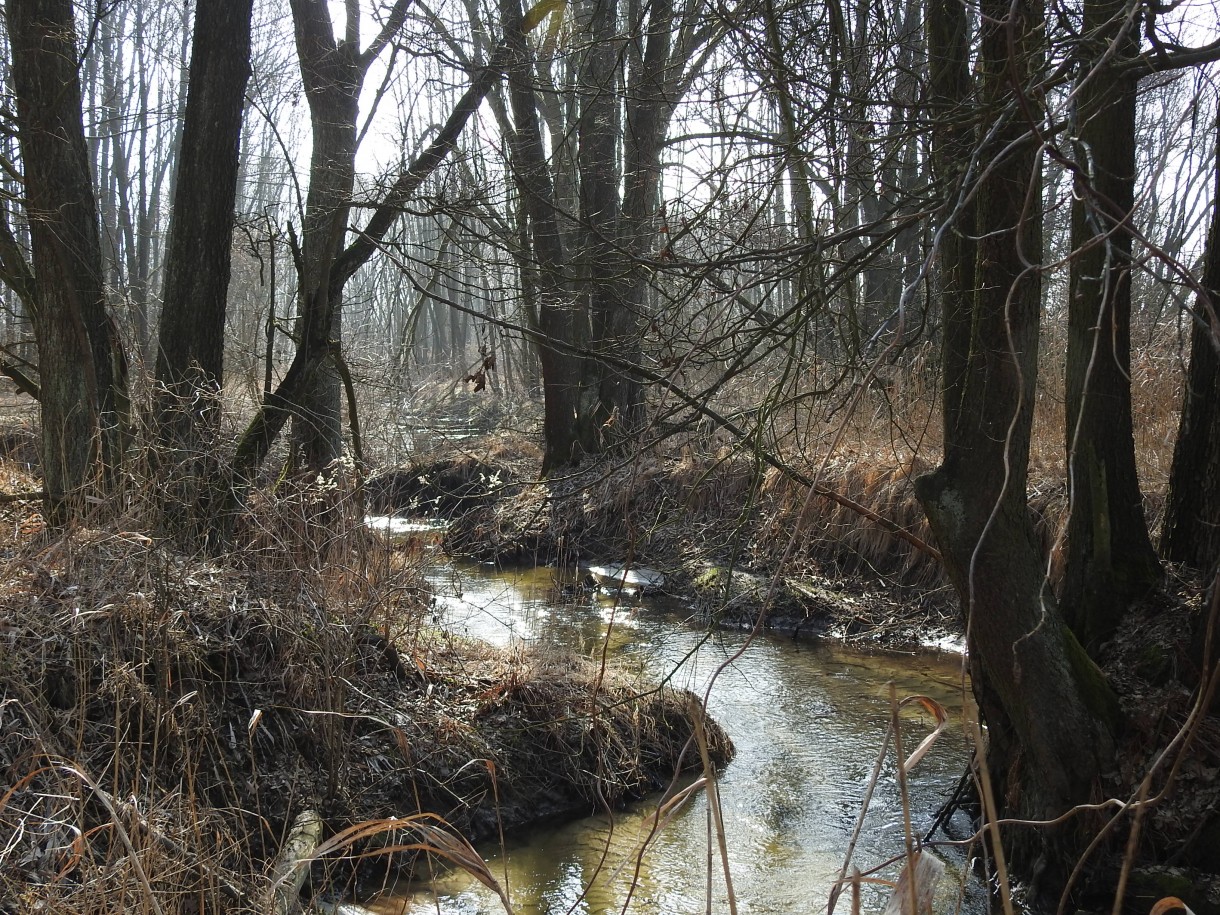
[164, 717]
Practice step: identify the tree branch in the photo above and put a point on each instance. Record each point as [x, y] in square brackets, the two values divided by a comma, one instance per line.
[1164, 63]
[25, 384]
[393, 24]
[418, 171]
[15, 271]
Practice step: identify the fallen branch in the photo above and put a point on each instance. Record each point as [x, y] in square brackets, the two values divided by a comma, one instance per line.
[7, 497]
[293, 863]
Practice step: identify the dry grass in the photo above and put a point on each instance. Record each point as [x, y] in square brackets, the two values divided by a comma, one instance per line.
[163, 717]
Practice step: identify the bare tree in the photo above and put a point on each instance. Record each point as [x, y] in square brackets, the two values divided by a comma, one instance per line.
[1110, 558]
[1191, 533]
[190, 350]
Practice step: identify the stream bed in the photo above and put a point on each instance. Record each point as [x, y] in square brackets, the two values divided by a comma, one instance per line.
[807, 720]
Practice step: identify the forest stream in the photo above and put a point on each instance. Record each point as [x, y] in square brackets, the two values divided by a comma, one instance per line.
[807, 719]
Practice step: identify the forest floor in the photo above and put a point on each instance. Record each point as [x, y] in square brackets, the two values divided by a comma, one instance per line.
[166, 719]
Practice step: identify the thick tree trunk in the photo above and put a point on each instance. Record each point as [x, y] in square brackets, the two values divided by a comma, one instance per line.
[83, 390]
[598, 130]
[1110, 558]
[1049, 712]
[649, 106]
[1192, 515]
[190, 346]
[333, 74]
[951, 91]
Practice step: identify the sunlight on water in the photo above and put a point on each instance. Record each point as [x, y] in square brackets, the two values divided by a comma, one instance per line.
[807, 721]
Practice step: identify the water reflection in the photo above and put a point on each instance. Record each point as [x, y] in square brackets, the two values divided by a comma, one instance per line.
[807, 722]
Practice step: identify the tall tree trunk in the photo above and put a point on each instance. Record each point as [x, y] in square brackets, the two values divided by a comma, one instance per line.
[950, 92]
[1192, 516]
[1110, 558]
[333, 75]
[1049, 713]
[608, 398]
[190, 349]
[80, 361]
[562, 334]
[649, 107]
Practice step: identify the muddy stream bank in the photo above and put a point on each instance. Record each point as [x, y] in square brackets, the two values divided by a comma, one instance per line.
[807, 720]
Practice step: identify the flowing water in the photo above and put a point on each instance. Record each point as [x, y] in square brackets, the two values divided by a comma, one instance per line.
[807, 720]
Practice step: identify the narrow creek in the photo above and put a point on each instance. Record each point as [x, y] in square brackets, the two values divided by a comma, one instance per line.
[807, 720]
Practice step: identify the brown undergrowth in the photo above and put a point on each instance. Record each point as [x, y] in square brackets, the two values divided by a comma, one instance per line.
[681, 509]
[1160, 665]
[683, 512]
[164, 718]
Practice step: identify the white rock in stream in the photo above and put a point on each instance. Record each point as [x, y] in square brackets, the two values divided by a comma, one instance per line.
[615, 576]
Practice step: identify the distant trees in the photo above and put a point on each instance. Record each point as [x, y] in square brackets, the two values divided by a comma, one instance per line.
[134, 73]
[589, 187]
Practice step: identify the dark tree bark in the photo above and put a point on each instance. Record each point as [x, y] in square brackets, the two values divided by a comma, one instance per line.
[1049, 713]
[951, 92]
[611, 401]
[651, 96]
[190, 347]
[1110, 558]
[333, 72]
[83, 377]
[1192, 516]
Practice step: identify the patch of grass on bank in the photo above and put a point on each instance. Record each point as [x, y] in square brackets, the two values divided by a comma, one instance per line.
[164, 718]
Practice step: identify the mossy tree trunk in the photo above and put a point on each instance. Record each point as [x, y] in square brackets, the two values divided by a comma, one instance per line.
[1110, 558]
[1050, 716]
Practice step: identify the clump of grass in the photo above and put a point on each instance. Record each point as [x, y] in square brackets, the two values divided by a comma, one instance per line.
[164, 717]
